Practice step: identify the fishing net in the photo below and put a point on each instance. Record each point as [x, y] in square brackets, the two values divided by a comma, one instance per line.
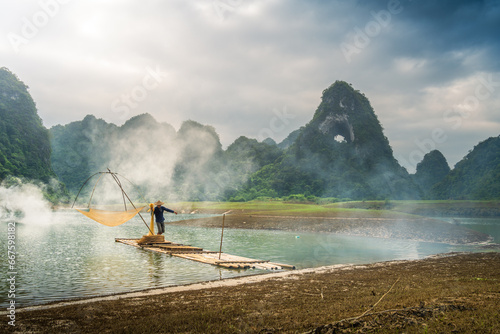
[110, 218]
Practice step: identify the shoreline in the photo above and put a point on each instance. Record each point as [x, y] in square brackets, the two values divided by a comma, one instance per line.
[308, 300]
[289, 223]
[457, 286]
[226, 282]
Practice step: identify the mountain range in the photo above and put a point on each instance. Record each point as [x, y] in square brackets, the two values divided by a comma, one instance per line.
[341, 153]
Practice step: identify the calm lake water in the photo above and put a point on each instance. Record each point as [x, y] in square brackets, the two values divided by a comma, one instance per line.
[72, 256]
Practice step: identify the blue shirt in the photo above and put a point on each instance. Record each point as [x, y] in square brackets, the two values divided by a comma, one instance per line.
[159, 213]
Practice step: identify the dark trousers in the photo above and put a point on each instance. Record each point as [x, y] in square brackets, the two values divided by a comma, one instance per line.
[161, 227]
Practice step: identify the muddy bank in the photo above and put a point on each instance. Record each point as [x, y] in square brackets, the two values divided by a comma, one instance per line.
[421, 229]
[441, 294]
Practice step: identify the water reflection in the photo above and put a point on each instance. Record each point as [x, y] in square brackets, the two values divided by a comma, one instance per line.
[154, 267]
[489, 226]
[75, 257]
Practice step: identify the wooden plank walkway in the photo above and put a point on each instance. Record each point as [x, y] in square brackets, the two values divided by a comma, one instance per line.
[200, 255]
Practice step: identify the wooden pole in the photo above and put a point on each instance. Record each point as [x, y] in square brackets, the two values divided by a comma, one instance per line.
[83, 185]
[125, 194]
[222, 235]
[92, 195]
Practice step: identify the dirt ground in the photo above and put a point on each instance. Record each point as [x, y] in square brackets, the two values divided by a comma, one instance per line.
[455, 293]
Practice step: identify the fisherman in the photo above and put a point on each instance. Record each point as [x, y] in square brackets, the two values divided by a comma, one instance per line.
[160, 220]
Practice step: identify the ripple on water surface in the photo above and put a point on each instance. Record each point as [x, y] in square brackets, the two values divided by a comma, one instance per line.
[74, 257]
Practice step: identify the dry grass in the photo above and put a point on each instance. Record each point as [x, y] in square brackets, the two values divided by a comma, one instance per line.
[453, 294]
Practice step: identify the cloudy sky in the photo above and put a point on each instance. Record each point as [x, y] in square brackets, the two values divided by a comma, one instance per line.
[431, 69]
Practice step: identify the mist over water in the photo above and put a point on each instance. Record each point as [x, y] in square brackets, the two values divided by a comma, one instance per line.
[73, 256]
[24, 203]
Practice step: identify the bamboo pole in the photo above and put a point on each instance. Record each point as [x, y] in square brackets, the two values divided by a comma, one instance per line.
[125, 194]
[222, 235]
[93, 190]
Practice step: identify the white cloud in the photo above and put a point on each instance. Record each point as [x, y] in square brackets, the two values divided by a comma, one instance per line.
[231, 66]
[406, 65]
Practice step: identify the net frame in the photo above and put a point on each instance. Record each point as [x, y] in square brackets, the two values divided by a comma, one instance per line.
[103, 216]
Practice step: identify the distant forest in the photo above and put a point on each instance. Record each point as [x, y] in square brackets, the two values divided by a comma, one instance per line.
[341, 154]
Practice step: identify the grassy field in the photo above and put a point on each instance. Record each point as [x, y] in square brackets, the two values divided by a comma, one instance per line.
[361, 209]
[432, 208]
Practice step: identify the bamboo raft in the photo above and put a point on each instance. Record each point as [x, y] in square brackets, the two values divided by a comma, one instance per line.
[204, 256]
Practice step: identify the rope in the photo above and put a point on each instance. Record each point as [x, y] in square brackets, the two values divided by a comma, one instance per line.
[124, 194]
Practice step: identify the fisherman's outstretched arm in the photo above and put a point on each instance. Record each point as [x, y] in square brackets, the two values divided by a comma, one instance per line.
[169, 210]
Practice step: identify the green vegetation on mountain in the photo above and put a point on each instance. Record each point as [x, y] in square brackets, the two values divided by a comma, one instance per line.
[25, 147]
[246, 156]
[342, 152]
[183, 164]
[290, 139]
[476, 176]
[430, 171]
[24, 141]
[187, 164]
[244, 151]
[79, 149]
